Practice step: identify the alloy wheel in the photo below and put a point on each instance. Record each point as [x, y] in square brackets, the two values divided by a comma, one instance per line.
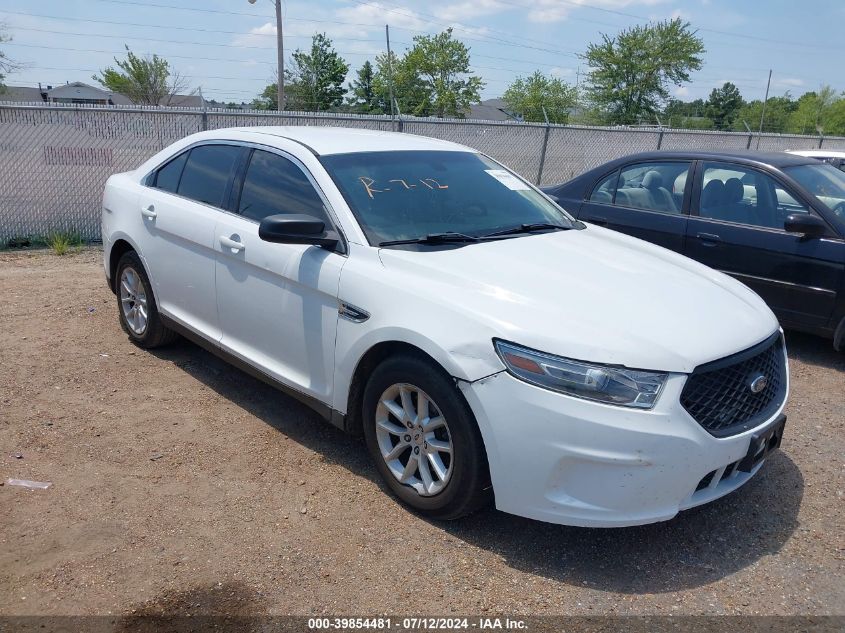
[414, 439]
[133, 300]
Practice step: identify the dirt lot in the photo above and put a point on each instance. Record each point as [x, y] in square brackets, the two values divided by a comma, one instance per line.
[182, 485]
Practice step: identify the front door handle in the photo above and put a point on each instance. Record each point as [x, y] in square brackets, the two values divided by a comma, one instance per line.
[233, 243]
[709, 239]
[149, 212]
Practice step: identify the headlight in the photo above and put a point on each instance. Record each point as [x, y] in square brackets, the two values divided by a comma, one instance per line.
[612, 385]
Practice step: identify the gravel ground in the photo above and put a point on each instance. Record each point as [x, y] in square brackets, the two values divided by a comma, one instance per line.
[181, 485]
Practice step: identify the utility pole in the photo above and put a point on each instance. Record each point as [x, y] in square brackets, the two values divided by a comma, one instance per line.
[390, 78]
[763, 113]
[280, 53]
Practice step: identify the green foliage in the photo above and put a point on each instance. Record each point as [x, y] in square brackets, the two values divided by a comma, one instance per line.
[432, 78]
[314, 79]
[365, 97]
[528, 96]
[63, 242]
[813, 112]
[145, 81]
[723, 105]
[630, 73]
[268, 99]
[778, 113]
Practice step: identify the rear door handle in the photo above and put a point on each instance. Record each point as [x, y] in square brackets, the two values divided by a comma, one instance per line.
[233, 243]
[595, 220]
[709, 239]
[149, 212]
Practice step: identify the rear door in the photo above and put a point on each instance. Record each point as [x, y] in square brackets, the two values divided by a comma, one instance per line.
[736, 226]
[647, 200]
[180, 208]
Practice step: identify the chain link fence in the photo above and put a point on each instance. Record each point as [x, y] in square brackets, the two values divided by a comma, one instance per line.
[54, 160]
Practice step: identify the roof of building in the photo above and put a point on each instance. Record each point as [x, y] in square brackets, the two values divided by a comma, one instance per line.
[20, 94]
[491, 110]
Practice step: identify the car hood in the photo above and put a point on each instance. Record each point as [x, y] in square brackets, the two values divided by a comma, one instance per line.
[593, 295]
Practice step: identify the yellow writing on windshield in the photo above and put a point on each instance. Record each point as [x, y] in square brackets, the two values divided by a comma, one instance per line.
[369, 185]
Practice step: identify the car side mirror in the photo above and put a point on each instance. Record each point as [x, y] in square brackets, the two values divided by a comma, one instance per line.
[296, 229]
[804, 223]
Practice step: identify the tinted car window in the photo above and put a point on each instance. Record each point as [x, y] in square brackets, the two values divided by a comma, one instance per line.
[207, 173]
[652, 186]
[167, 177]
[604, 189]
[734, 193]
[274, 185]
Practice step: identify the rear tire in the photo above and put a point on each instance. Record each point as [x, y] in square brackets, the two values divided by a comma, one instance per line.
[424, 440]
[136, 305]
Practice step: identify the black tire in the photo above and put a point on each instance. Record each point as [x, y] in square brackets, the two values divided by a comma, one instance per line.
[468, 488]
[155, 334]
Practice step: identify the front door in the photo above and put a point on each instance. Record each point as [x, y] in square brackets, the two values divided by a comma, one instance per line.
[736, 226]
[277, 303]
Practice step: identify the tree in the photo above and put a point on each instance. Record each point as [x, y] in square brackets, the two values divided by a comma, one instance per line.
[528, 96]
[431, 79]
[147, 80]
[723, 104]
[315, 78]
[778, 112]
[812, 112]
[6, 65]
[365, 97]
[629, 74]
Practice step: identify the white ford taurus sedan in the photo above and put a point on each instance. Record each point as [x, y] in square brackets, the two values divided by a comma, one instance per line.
[485, 343]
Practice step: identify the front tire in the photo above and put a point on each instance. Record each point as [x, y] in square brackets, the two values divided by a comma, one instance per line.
[424, 440]
[136, 305]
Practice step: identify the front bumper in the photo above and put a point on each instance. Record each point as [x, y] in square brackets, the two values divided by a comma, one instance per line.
[566, 460]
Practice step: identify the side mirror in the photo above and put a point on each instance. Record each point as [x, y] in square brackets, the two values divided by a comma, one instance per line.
[804, 223]
[296, 229]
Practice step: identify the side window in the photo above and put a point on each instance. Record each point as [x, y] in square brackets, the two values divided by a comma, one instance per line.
[167, 176]
[734, 193]
[275, 185]
[653, 186]
[604, 189]
[207, 173]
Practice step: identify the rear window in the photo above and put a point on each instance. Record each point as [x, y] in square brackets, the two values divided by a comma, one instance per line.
[207, 173]
[167, 177]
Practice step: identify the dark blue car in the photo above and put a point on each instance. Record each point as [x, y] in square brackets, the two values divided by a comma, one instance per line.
[775, 221]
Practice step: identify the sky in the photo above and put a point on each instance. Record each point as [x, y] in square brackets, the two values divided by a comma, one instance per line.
[228, 46]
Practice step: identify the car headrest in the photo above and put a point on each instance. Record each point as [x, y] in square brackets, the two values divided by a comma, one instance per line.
[713, 193]
[652, 180]
[734, 191]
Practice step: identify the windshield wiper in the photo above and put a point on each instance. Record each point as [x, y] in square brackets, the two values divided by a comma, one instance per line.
[528, 228]
[434, 238]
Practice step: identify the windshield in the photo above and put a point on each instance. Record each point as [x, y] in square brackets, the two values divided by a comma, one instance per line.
[823, 181]
[406, 195]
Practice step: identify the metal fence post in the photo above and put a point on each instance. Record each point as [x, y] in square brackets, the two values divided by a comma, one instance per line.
[821, 140]
[660, 138]
[543, 151]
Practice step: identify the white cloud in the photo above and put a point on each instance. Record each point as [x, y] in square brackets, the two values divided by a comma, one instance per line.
[788, 82]
[555, 11]
[557, 71]
[470, 9]
[681, 91]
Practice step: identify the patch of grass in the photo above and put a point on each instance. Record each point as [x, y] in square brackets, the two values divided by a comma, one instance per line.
[24, 241]
[63, 242]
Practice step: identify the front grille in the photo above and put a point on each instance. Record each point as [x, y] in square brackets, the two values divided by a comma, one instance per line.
[719, 395]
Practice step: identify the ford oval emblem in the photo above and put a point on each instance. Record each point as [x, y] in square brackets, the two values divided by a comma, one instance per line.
[758, 383]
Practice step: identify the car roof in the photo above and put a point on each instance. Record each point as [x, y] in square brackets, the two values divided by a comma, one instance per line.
[818, 153]
[751, 157]
[324, 140]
